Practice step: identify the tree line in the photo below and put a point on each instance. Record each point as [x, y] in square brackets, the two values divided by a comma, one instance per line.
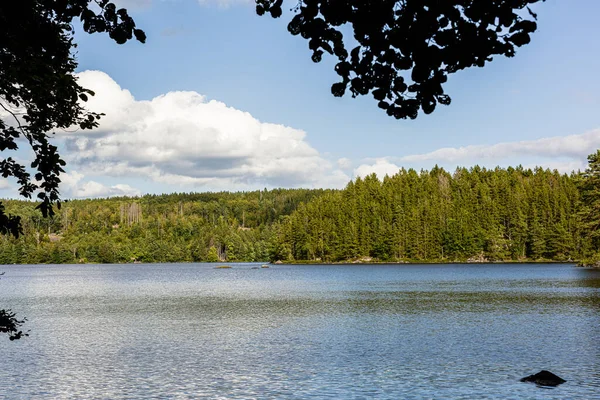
[500, 214]
[183, 227]
[477, 214]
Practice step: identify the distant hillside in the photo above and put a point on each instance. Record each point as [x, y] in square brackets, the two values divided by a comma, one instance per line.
[153, 228]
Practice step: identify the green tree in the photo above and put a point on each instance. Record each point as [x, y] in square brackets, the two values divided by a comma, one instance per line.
[38, 89]
[213, 255]
[427, 216]
[590, 199]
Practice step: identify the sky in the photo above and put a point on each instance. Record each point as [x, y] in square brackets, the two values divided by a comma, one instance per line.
[221, 99]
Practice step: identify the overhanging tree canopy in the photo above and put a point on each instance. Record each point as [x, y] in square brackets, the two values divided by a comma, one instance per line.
[403, 50]
[38, 89]
[39, 94]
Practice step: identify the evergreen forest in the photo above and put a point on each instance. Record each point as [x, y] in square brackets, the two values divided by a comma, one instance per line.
[475, 214]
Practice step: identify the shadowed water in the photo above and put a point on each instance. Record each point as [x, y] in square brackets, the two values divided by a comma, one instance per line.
[292, 332]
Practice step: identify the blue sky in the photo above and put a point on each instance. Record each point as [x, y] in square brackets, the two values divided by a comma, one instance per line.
[221, 99]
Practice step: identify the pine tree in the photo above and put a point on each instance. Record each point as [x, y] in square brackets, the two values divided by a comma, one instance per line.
[590, 199]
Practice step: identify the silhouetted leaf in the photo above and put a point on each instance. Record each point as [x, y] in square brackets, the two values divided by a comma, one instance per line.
[431, 38]
[338, 89]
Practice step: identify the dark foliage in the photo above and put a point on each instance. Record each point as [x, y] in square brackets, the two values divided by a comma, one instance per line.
[38, 90]
[39, 94]
[403, 50]
[10, 324]
[10, 224]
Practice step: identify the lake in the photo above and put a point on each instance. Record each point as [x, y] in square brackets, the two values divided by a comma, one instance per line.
[301, 331]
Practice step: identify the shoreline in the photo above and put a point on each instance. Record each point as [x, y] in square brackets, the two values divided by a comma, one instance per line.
[372, 262]
[576, 263]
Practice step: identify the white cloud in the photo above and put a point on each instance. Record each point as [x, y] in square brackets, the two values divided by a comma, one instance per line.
[565, 167]
[575, 147]
[72, 186]
[563, 153]
[95, 189]
[381, 168]
[181, 138]
[69, 182]
[344, 163]
[4, 184]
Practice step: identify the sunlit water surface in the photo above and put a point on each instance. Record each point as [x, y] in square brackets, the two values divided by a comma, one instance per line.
[299, 332]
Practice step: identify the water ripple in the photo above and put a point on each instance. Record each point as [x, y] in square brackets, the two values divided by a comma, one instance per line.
[305, 332]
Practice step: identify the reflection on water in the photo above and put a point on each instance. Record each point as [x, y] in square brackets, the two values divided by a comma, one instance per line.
[344, 332]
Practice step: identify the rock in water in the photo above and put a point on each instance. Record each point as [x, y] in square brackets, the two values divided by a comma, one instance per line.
[544, 378]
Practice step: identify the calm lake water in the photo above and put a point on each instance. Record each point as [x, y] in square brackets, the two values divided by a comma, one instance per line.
[299, 332]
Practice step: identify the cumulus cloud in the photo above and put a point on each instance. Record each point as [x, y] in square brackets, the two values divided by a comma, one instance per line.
[563, 153]
[575, 147]
[565, 167]
[344, 163]
[4, 184]
[73, 186]
[95, 189]
[182, 138]
[381, 168]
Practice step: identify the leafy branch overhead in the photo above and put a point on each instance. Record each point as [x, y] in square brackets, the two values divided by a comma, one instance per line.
[39, 94]
[402, 51]
[38, 89]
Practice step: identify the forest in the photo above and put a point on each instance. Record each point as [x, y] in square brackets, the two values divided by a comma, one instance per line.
[476, 214]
